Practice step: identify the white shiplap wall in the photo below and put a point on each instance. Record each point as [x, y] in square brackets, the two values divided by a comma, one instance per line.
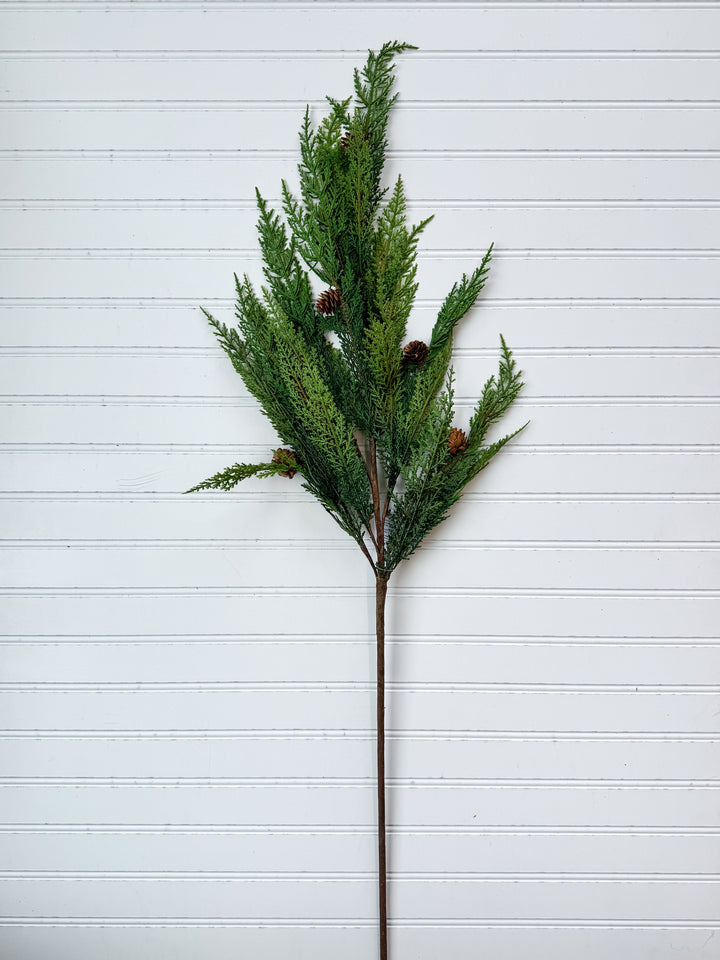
[187, 702]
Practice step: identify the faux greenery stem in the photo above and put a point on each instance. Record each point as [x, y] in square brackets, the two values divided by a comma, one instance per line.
[381, 586]
[366, 418]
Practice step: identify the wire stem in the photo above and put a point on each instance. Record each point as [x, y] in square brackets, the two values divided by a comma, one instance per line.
[381, 586]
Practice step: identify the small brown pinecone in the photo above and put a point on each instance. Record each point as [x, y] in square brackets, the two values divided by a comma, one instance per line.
[457, 441]
[415, 352]
[347, 139]
[281, 455]
[328, 303]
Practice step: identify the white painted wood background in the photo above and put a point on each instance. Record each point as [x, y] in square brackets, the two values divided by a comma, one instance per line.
[187, 701]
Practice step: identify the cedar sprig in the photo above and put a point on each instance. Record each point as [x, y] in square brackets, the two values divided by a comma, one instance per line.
[370, 430]
[231, 476]
[372, 436]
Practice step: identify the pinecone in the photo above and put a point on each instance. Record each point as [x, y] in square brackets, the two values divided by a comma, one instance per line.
[457, 441]
[281, 455]
[415, 352]
[328, 303]
[347, 139]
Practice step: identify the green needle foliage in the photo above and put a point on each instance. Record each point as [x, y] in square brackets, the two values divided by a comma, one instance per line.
[369, 425]
[368, 417]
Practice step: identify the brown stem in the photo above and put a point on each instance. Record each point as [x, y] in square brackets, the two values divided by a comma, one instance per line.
[372, 536]
[375, 485]
[381, 585]
[367, 554]
[388, 498]
[375, 492]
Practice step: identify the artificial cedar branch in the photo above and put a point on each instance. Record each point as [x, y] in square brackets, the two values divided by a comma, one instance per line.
[231, 476]
[367, 255]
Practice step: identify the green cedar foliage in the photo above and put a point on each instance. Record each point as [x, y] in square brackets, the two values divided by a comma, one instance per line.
[231, 477]
[337, 389]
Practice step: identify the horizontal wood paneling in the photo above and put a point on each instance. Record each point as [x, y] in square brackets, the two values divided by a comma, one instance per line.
[343, 706]
[228, 850]
[536, 276]
[275, 610]
[648, 420]
[110, 468]
[337, 897]
[535, 324]
[222, 226]
[422, 940]
[183, 567]
[413, 756]
[346, 659]
[208, 374]
[345, 804]
[417, 128]
[478, 75]
[186, 731]
[292, 27]
[434, 177]
[292, 516]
